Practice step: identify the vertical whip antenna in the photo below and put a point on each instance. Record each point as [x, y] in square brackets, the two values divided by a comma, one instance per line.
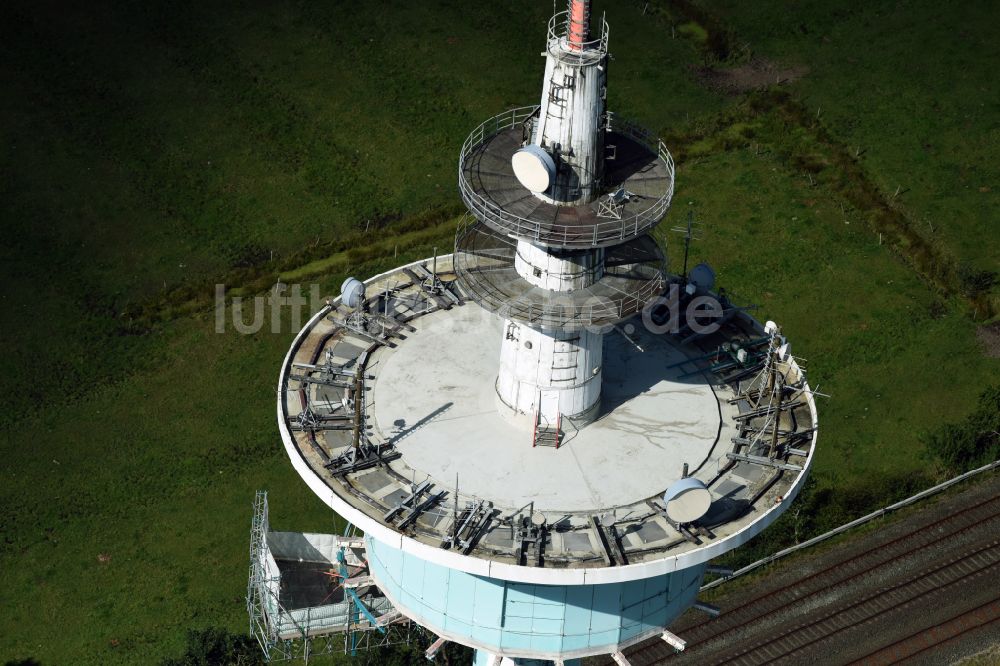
[579, 23]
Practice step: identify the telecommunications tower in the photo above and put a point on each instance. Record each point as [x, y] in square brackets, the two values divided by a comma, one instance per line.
[544, 436]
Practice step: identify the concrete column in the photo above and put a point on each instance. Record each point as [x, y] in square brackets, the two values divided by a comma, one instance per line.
[570, 124]
[554, 373]
[558, 270]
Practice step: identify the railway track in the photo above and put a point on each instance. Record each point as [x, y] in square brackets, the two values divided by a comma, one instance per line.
[785, 623]
[922, 587]
[905, 649]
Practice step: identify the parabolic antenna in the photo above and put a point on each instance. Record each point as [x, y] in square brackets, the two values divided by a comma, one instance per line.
[703, 277]
[352, 292]
[687, 500]
[534, 168]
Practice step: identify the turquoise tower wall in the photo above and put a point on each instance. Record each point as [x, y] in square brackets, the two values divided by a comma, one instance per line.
[483, 659]
[525, 619]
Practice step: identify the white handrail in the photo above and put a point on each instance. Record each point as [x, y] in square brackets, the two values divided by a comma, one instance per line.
[603, 232]
[589, 53]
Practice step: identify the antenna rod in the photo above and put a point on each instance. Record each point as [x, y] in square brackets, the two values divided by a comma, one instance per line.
[358, 406]
[579, 19]
[454, 525]
[687, 242]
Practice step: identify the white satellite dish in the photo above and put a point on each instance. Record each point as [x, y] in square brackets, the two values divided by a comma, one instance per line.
[770, 327]
[534, 168]
[687, 500]
[352, 292]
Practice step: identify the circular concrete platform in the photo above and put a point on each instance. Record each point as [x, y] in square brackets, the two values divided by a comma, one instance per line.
[434, 397]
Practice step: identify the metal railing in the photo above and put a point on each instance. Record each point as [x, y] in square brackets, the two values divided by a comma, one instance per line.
[587, 53]
[600, 234]
[878, 513]
[564, 310]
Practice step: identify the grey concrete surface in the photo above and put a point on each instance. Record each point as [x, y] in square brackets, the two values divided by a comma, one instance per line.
[434, 396]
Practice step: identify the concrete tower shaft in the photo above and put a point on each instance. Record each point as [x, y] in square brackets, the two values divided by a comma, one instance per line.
[551, 374]
[571, 120]
[566, 270]
[563, 196]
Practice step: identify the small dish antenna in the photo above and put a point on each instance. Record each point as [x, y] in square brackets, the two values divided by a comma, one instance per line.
[352, 292]
[687, 500]
[534, 168]
[703, 277]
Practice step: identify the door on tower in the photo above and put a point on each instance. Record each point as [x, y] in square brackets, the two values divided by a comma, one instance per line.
[548, 408]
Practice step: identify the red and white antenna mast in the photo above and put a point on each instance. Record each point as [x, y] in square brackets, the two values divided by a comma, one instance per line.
[579, 23]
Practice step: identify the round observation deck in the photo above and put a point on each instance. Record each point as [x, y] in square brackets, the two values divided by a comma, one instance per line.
[637, 186]
[484, 262]
[427, 363]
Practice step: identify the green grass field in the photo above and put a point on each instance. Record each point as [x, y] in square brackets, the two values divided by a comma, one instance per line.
[153, 150]
[909, 86]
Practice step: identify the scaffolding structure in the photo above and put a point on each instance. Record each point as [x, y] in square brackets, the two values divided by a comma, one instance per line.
[310, 594]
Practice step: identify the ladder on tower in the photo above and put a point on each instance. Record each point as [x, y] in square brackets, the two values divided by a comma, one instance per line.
[545, 434]
[559, 99]
[565, 360]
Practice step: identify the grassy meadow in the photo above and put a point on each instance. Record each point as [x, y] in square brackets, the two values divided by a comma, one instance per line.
[152, 150]
[908, 85]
